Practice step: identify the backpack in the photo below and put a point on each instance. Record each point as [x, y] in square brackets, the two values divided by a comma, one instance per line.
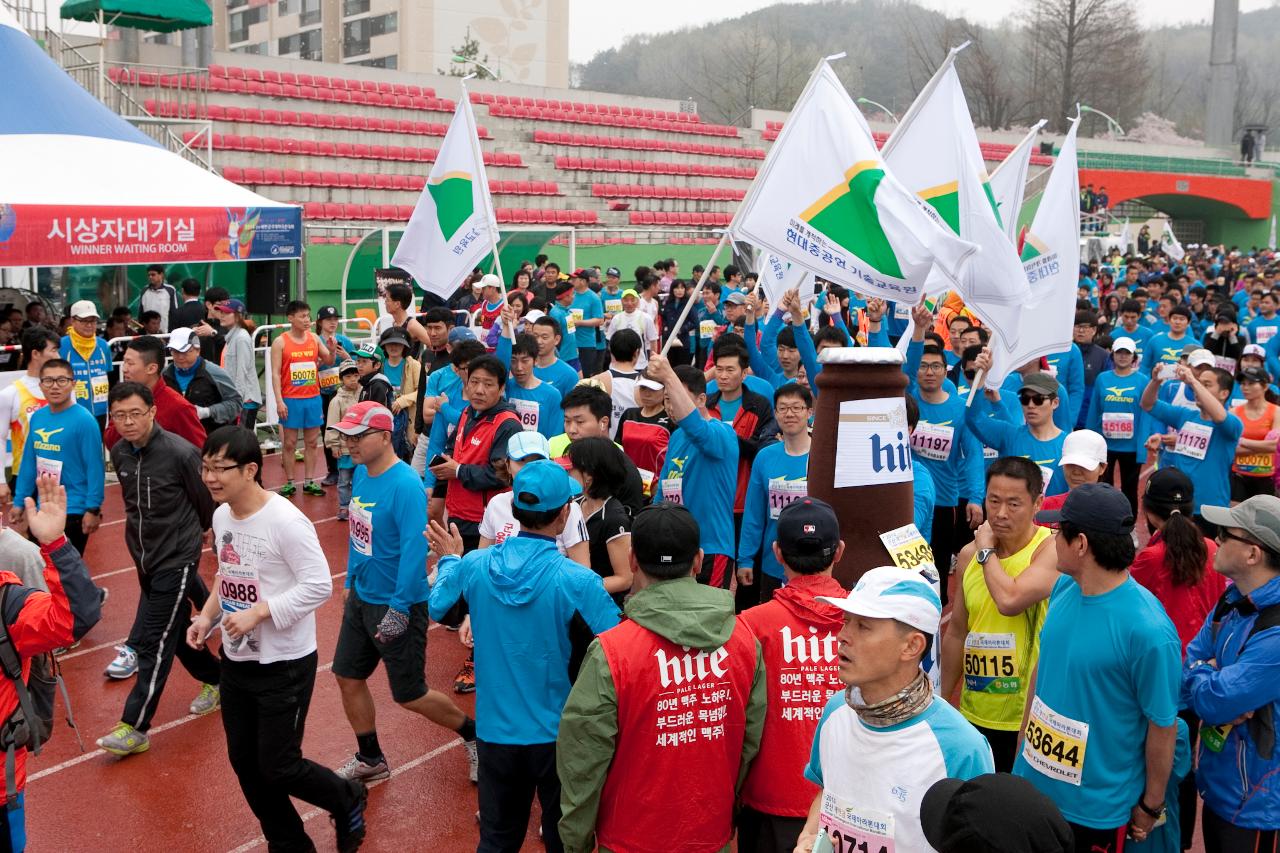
[30, 724]
[1262, 724]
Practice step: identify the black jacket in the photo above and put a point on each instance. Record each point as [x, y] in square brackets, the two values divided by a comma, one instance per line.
[377, 387]
[167, 507]
[211, 388]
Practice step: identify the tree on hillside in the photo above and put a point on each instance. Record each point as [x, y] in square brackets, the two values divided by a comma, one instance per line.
[470, 51]
[1084, 51]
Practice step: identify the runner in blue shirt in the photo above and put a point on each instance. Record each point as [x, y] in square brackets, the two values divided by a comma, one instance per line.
[779, 475]
[701, 468]
[1100, 727]
[1263, 329]
[1167, 347]
[548, 366]
[1114, 413]
[1207, 435]
[924, 495]
[588, 319]
[1010, 406]
[1068, 368]
[560, 311]
[1130, 327]
[1038, 439]
[535, 401]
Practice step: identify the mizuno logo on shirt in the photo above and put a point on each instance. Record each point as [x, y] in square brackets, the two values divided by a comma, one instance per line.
[46, 434]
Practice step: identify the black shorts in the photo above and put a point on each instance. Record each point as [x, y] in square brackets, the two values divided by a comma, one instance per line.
[405, 658]
[1243, 488]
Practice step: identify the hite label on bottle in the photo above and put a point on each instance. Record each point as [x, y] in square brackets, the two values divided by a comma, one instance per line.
[872, 444]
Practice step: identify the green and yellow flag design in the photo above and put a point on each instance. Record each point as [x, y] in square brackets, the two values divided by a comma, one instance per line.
[455, 201]
[847, 215]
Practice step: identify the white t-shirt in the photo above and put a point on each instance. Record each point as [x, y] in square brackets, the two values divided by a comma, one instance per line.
[273, 554]
[640, 323]
[498, 523]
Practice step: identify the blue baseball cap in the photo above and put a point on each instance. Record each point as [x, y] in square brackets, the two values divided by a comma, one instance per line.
[458, 334]
[543, 485]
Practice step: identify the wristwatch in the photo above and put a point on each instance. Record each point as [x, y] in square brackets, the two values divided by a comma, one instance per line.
[1155, 813]
[983, 555]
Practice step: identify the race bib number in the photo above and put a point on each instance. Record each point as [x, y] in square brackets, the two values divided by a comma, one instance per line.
[933, 441]
[302, 373]
[852, 829]
[1265, 333]
[528, 410]
[100, 386]
[1193, 440]
[901, 311]
[1055, 745]
[52, 467]
[571, 320]
[612, 307]
[578, 315]
[1117, 425]
[707, 329]
[907, 547]
[991, 663]
[1052, 370]
[990, 453]
[783, 491]
[361, 528]
[673, 490]
[237, 593]
[1046, 474]
[1224, 363]
[329, 378]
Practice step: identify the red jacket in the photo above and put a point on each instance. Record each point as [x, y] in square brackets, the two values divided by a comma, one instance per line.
[1188, 606]
[681, 716]
[798, 642]
[40, 622]
[174, 414]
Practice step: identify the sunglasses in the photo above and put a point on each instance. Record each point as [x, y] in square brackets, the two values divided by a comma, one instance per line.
[1032, 399]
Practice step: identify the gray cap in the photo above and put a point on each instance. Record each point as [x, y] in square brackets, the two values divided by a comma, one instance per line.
[1259, 516]
[1041, 383]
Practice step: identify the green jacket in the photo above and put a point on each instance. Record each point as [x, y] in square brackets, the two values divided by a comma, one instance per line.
[682, 611]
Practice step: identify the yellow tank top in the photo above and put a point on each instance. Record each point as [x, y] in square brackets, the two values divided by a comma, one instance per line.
[27, 403]
[999, 651]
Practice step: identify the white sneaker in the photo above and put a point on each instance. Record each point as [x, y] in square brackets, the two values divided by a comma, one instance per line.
[124, 666]
[358, 769]
[473, 761]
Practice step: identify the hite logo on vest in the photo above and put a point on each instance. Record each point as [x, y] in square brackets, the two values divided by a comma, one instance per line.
[690, 668]
[808, 674]
[811, 649]
[693, 703]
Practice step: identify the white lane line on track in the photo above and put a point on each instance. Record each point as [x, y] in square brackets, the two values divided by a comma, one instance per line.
[202, 553]
[403, 768]
[172, 724]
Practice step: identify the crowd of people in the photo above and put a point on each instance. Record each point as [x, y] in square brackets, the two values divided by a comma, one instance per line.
[622, 537]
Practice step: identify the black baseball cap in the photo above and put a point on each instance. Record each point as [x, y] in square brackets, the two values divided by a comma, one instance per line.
[1169, 487]
[1255, 374]
[394, 335]
[613, 272]
[1094, 508]
[992, 813]
[808, 526]
[327, 312]
[665, 534]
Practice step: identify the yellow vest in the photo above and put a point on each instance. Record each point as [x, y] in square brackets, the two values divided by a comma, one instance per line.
[999, 651]
[27, 403]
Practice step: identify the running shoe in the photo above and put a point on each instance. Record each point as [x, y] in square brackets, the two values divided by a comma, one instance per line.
[207, 701]
[124, 740]
[473, 761]
[330, 480]
[103, 595]
[349, 828]
[342, 514]
[288, 490]
[312, 488]
[358, 769]
[62, 650]
[465, 682]
[124, 666]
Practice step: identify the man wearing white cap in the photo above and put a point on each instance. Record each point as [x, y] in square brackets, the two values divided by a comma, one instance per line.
[206, 386]
[1115, 414]
[90, 358]
[884, 741]
[1084, 459]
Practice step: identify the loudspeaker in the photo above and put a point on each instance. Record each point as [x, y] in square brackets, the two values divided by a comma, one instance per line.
[266, 287]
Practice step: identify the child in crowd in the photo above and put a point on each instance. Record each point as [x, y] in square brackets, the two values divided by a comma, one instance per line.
[347, 396]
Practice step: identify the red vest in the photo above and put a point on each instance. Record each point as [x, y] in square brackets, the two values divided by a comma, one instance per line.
[802, 671]
[646, 444]
[681, 716]
[473, 448]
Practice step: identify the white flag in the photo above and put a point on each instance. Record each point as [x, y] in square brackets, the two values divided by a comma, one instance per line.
[1051, 258]
[1009, 182]
[777, 277]
[453, 226]
[1173, 248]
[1124, 237]
[1271, 238]
[934, 151]
[825, 200]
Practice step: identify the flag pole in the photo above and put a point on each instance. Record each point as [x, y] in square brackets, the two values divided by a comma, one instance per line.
[491, 218]
[693, 297]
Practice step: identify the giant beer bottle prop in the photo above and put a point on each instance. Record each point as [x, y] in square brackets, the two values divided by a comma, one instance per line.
[860, 459]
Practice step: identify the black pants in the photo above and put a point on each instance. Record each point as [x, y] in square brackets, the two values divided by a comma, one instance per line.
[759, 832]
[1127, 462]
[1188, 796]
[330, 461]
[159, 633]
[75, 533]
[589, 360]
[1222, 837]
[1090, 840]
[1004, 747]
[950, 533]
[509, 777]
[264, 711]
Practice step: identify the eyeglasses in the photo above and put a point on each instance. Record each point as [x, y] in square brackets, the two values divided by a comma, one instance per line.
[218, 469]
[355, 439]
[127, 417]
[1035, 399]
[56, 381]
[791, 410]
[933, 367]
[1224, 534]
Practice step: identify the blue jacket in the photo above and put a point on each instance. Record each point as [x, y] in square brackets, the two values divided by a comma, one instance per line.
[91, 375]
[528, 605]
[1223, 678]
